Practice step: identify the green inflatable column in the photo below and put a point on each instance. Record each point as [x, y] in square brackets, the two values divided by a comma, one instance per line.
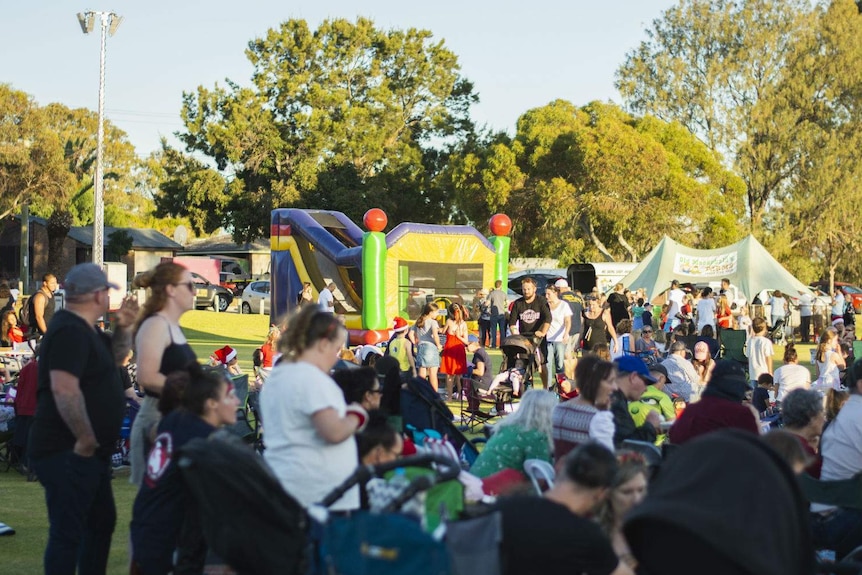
[501, 226]
[374, 271]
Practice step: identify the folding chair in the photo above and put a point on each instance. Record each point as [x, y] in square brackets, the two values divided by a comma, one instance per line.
[475, 397]
[733, 346]
[841, 493]
[538, 470]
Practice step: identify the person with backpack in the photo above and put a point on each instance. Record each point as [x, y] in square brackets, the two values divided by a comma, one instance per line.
[40, 307]
[401, 349]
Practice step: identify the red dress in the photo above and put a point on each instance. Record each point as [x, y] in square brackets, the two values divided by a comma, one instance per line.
[453, 358]
[15, 335]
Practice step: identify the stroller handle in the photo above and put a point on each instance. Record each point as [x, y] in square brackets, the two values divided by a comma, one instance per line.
[447, 469]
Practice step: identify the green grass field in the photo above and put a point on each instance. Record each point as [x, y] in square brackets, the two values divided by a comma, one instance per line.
[22, 504]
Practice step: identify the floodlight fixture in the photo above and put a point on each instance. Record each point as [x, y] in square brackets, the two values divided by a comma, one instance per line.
[86, 20]
[115, 23]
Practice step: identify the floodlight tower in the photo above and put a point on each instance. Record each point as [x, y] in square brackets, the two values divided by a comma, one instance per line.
[109, 24]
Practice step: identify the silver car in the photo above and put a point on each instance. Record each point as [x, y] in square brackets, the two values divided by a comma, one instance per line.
[255, 296]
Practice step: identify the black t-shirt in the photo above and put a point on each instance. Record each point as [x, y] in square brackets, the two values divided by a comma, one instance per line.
[488, 376]
[619, 305]
[530, 316]
[541, 537]
[577, 304]
[73, 346]
[760, 399]
[160, 507]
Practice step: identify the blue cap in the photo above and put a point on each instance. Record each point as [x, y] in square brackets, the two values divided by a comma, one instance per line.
[634, 364]
[472, 339]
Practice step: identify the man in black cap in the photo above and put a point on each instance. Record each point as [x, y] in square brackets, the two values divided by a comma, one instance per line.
[78, 417]
[719, 407]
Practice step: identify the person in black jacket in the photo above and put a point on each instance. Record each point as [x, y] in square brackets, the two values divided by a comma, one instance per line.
[632, 378]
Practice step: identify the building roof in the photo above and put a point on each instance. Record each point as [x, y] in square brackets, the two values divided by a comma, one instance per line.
[224, 244]
[141, 238]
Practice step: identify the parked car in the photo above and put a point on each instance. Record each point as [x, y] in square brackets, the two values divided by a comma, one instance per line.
[851, 293]
[254, 296]
[543, 279]
[208, 294]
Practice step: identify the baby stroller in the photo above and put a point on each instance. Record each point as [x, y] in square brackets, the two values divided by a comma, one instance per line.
[776, 333]
[519, 353]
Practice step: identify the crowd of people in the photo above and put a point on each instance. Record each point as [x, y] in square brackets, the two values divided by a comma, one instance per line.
[640, 379]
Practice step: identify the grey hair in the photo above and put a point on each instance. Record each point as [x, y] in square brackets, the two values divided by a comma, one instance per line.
[800, 406]
[534, 412]
[677, 346]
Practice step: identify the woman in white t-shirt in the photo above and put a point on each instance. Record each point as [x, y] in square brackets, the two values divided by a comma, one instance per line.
[309, 426]
[829, 361]
[558, 332]
[705, 310]
[791, 375]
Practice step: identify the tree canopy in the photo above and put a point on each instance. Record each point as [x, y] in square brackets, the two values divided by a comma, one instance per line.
[342, 117]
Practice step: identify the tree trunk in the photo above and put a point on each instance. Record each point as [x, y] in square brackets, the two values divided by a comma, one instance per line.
[58, 227]
[588, 228]
[626, 246]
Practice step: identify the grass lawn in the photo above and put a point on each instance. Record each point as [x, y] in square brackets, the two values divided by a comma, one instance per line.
[22, 504]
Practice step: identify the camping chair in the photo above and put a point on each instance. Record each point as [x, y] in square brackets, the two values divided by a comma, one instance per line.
[689, 341]
[540, 471]
[733, 346]
[474, 397]
[841, 493]
[650, 452]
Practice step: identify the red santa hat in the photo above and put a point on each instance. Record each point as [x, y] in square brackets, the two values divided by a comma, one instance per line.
[225, 355]
[400, 324]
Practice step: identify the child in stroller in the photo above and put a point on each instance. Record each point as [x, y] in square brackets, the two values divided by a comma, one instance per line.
[519, 355]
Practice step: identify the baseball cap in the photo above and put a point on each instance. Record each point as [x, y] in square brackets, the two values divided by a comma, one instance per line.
[634, 364]
[701, 350]
[561, 283]
[86, 278]
[659, 368]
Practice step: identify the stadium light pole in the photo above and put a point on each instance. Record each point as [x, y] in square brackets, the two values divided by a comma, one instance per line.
[109, 22]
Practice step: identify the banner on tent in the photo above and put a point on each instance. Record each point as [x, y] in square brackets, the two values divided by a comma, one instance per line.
[712, 265]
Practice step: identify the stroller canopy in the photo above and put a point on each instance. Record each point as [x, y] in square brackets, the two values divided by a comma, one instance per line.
[729, 505]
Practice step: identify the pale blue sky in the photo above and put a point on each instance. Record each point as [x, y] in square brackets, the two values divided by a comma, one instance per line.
[519, 55]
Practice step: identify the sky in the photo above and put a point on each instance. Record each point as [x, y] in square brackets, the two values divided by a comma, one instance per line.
[519, 55]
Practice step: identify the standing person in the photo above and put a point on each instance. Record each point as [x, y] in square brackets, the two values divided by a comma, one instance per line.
[705, 310]
[453, 358]
[497, 307]
[638, 314]
[829, 361]
[326, 299]
[531, 317]
[40, 306]
[558, 332]
[306, 296]
[759, 350]
[837, 307]
[576, 303]
[309, 426]
[597, 325]
[160, 348]
[724, 315]
[267, 356]
[818, 311]
[482, 314]
[806, 302]
[729, 290]
[77, 423]
[619, 304]
[194, 404]
[401, 348]
[675, 299]
[777, 307]
[425, 336]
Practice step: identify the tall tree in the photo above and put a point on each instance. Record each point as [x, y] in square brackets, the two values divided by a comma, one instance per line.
[32, 166]
[706, 64]
[344, 117]
[594, 182]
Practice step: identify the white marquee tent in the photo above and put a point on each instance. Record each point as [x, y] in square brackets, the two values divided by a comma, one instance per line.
[746, 264]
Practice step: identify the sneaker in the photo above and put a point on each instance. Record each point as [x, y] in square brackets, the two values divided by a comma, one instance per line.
[6, 530]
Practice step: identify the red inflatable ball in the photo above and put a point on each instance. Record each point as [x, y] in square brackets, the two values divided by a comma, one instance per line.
[375, 220]
[500, 225]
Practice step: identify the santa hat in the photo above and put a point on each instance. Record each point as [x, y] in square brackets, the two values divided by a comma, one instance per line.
[225, 355]
[400, 324]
